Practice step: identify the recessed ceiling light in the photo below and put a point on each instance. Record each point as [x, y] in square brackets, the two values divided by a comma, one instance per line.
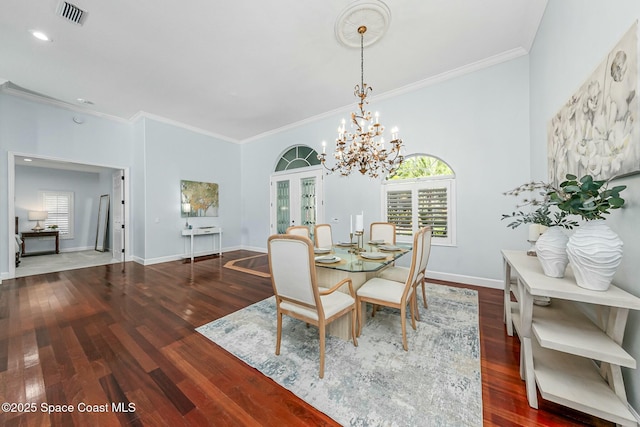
[27, 160]
[40, 35]
[84, 101]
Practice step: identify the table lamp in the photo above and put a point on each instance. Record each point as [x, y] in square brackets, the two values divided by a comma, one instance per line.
[37, 216]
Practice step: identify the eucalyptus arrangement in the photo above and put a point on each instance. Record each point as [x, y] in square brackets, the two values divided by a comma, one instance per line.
[540, 199]
[588, 198]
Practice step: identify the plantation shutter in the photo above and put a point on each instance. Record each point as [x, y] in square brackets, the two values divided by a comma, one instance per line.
[59, 207]
[433, 210]
[416, 204]
[400, 211]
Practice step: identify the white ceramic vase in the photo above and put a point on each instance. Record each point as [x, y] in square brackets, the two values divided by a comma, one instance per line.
[595, 252]
[551, 248]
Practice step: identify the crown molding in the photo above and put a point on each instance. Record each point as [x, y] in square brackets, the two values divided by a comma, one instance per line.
[457, 72]
[6, 88]
[144, 115]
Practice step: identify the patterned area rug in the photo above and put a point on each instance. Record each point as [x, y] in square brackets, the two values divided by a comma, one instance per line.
[436, 383]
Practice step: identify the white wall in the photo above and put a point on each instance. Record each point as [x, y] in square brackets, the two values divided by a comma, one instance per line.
[574, 37]
[86, 188]
[478, 123]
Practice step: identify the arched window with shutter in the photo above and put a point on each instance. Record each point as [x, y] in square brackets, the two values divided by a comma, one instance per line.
[421, 193]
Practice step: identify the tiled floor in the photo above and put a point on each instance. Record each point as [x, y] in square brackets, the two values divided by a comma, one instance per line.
[39, 264]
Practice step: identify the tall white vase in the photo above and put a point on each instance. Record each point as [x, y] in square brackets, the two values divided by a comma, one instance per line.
[551, 249]
[595, 252]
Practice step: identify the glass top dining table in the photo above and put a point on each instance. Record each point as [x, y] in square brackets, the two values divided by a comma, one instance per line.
[374, 257]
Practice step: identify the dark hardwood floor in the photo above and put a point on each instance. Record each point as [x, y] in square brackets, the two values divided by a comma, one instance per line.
[124, 333]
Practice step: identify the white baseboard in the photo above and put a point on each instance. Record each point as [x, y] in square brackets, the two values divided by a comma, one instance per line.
[255, 249]
[79, 249]
[159, 260]
[467, 280]
[178, 257]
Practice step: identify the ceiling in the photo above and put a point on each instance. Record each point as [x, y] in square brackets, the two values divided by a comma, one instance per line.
[239, 69]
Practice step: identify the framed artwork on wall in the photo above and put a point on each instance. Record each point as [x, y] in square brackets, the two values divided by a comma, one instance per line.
[597, 131]
[198, 199]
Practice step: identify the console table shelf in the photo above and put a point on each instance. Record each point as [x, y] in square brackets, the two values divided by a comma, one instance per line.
[560, 344]
[202, 231]
[38, 235]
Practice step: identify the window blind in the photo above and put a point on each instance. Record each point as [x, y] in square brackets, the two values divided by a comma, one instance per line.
[59, 207]
[433, 210]
[400, 211]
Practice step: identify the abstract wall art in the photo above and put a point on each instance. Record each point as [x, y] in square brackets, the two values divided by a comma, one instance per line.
[597, 131]
[198, 199]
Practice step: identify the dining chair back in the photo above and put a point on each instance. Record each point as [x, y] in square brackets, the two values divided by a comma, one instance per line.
[383, 231]
[422, 273]
[299, 230]
[323, 236]
[293, 277]
[400, 274]
[390, 293]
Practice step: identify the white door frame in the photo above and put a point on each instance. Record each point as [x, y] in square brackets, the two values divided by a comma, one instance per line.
[11, 208]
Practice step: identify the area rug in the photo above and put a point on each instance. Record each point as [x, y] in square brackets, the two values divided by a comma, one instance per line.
[436, 383]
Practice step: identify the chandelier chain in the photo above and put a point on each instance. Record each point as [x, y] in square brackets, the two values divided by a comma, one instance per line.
[364, 148]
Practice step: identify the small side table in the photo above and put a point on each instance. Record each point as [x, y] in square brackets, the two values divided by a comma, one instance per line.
[201, 231]
[37, 234]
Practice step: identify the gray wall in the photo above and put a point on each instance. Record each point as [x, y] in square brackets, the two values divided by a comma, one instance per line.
[173, 154]
[158, 157]
[574, 37]
[38, 129]
[478, 123]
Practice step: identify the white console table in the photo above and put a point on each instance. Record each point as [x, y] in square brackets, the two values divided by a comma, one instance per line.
[560, 344]
[203, 231]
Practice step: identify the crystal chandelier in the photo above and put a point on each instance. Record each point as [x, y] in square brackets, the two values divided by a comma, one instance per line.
[364, 149]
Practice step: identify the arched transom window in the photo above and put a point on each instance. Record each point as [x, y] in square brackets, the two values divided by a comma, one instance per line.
[299, 156]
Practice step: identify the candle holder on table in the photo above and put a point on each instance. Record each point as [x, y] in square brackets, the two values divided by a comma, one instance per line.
[360, 241]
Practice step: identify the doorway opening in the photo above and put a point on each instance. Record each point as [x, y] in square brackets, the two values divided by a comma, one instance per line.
[32, 176]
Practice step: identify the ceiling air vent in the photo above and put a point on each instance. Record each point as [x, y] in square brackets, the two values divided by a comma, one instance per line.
[71, 12]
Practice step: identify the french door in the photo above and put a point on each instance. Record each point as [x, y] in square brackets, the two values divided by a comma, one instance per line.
[296, 199]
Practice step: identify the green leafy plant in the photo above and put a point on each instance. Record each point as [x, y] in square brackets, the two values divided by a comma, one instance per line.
[590, 199]
[53, 227]
[542, 213]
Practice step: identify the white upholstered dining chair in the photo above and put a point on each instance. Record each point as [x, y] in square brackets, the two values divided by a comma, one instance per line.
[390, 293]
[400, 274]
[298, 230]
[323, 236]
[384, 231]
[293, 276]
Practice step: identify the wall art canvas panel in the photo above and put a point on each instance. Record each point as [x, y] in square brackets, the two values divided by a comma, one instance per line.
[198, 199]
[597, 131]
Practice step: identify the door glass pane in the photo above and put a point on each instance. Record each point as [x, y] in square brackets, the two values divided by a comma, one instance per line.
[282, 206]
[308, 202]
